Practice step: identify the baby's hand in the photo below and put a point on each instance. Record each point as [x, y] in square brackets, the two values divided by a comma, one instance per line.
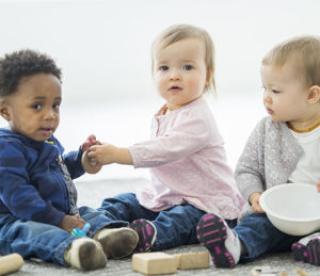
[255, 205]
[69, 222]
[90, 165]
[103, 154]
[90, 141]
[318, 186]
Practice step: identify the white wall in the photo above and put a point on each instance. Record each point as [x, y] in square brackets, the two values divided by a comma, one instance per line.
[103, 48]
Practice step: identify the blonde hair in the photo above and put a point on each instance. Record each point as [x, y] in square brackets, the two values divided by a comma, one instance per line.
[304, 50]
[180, 32]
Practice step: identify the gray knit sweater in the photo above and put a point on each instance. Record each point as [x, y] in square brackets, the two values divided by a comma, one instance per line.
[269, 157]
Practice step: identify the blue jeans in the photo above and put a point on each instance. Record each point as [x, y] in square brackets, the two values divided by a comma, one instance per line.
[259, 237]
[44, 241]
[175, 226]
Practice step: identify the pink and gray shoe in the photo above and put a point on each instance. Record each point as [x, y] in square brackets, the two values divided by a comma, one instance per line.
[147, 234]
[220, 240]
[307, 249]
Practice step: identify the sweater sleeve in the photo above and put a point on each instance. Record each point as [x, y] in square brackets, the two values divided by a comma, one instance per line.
[72, 160]
[188, 136]
[249, 173]
[17, 194]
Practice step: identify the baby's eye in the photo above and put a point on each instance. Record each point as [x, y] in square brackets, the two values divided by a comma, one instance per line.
[188, 67]
[36, 106]
[163, 68]
[275, 91]
[56, 106]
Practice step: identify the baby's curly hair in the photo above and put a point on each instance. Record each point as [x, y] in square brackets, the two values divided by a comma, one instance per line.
[17, 65]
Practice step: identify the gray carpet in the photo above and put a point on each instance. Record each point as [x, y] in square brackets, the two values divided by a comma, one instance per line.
[92, 193]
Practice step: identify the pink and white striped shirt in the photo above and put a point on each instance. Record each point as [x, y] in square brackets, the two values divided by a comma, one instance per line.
[188, 163]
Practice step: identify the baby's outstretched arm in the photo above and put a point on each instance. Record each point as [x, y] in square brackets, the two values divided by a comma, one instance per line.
[106, 154]
[318, 186]
[89, 164]
[254, 201]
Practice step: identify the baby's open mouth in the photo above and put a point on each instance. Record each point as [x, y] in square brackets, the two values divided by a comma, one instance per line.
[175, 88]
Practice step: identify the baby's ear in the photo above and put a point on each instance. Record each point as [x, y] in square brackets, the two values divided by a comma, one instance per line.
[4, 109]
[314, 94]
[209, 79]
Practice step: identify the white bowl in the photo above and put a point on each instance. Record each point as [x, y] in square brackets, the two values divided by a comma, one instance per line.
[293, 208]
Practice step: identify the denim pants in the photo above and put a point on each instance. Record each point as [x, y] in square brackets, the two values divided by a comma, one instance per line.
[43, 241]
[175, 226]
[259, 237]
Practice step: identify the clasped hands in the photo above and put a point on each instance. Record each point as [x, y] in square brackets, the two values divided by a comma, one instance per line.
[97, 154]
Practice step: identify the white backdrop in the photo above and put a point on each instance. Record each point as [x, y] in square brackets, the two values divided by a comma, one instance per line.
[103, 48]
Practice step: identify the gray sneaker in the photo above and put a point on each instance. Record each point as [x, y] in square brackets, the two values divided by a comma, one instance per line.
[117, 243]
[85, 254]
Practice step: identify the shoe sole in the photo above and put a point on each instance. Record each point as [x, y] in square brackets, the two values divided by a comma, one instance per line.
[146, 232]
[212, 233]
[308, 254]
[91, 257]
[120, 244]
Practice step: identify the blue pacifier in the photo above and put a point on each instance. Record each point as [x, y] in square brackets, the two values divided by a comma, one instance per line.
[77, 232]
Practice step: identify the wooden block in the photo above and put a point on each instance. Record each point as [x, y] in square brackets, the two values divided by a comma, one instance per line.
[10, 263]
[193, 260]
[301, 272]
[267, 271]
[155, 263]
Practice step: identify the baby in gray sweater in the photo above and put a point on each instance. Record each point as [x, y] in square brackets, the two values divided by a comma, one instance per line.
[283, 148]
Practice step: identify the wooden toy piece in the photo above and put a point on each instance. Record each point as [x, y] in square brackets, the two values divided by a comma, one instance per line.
[10, 263]
[301, 272]
[193, 260]
[267, 271]
[155, 263]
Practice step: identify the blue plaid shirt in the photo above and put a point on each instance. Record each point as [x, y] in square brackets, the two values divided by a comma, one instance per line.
[36, 178]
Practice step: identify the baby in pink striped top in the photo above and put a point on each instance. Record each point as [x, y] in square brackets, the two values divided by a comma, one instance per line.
[185, 154]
